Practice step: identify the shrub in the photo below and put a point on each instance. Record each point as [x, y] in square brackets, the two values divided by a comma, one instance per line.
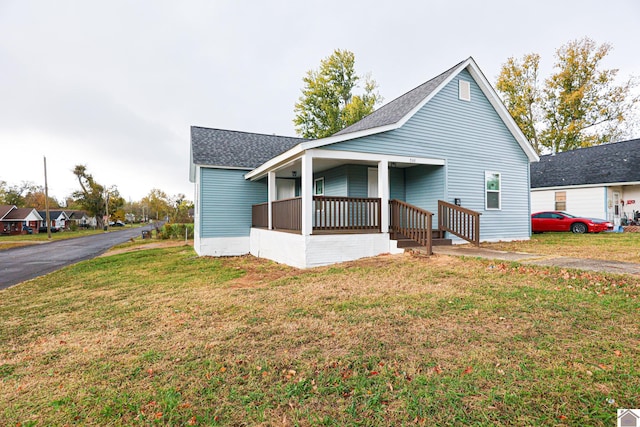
[176, 231]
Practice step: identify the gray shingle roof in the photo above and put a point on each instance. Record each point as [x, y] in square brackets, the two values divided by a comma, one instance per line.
[227, 148]
[395, 110]
[602, 164]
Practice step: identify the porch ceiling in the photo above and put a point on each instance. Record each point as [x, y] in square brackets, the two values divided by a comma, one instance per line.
[320, 165]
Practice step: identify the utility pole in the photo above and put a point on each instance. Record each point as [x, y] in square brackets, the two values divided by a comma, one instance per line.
[46, 200]
[106, 204]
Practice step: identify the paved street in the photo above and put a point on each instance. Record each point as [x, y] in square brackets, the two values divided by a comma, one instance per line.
[27, 262]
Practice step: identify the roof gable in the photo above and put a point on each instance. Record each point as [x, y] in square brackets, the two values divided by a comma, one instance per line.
[394, 111]
[54, 214]
[603, 164]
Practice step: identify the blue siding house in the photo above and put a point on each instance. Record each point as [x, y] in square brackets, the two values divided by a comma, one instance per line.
[443, 161]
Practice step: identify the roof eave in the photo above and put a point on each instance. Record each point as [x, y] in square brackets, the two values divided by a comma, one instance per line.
[598, 184]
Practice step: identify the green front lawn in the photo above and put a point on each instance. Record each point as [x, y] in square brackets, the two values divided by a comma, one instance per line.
[163, 337]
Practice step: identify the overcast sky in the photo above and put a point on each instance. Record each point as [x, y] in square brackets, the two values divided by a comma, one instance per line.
[115, 85]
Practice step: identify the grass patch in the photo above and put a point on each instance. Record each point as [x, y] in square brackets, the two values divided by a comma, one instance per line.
[605, 246]
[163, 337]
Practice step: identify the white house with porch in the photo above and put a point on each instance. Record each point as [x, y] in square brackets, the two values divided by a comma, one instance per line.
[443, 162]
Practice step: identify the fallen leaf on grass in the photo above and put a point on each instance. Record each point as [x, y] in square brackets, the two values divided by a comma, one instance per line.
[468, 370]
[618, 353]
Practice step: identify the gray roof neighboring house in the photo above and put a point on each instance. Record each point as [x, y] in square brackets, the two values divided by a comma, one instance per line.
[618, 162]
[228, 148]
[397, 109]
[53, 214]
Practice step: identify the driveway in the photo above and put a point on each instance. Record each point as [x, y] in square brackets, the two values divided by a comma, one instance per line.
[28, 262]
[544, 260]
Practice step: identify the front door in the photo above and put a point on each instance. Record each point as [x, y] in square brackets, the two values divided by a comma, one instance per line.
[616, 208]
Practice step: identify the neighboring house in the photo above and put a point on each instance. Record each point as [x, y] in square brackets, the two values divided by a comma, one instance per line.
[81, 219]
[594, 182]
[15, 220]
[371, 186]
[59, 219]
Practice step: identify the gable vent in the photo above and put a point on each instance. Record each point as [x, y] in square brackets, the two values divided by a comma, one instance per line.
[464, 90]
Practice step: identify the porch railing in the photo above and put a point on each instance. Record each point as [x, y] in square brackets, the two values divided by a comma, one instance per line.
[260, 215]
[350, 214]
[412, 222]
[287, 214]
[459, 221]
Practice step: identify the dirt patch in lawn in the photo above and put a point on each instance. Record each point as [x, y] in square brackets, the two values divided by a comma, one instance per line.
[149, 245]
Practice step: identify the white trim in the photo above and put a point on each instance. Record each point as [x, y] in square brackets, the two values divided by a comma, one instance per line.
[194, 168]
[271, 196]
[502, 111]
[608, 184]
[316, 250]
[306, 193]
[223, 246]
[383, 193]
[354, 155]
[274, 162]
[224, 167]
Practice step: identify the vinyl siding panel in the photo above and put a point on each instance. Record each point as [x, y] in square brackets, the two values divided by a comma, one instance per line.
[358, 180]
[396, 184]
[425, 186]
[226, 200]
[472, 138]
[587, 202]
[335, 181]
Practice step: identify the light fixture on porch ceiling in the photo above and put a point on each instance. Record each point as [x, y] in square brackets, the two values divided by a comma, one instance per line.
[294, 173]
[392, 164]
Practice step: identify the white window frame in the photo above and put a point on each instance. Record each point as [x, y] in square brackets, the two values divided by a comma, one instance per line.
[315, 186]
[487, 175]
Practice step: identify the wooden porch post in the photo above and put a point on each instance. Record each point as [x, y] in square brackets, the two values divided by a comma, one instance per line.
[306, 192]
[272, 194]
[383, 193]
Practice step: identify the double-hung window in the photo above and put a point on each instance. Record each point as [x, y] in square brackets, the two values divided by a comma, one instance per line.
[492, 186]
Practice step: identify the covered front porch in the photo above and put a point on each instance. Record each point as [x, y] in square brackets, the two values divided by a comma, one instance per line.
[327, 206]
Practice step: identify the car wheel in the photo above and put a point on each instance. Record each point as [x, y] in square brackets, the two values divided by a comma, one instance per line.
[578, 228]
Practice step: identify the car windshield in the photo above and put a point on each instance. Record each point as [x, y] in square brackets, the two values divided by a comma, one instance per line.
[568, 215]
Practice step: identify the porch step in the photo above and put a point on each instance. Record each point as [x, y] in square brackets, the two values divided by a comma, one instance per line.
[437, 239]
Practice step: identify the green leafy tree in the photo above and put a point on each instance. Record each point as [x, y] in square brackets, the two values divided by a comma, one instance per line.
[328, 103]
[157, 203]
[579, 105]
[518, 85]
[17, 194]
[93, 197]
[181, 208]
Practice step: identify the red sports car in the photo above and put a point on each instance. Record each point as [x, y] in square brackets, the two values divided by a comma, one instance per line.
[562, 221]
